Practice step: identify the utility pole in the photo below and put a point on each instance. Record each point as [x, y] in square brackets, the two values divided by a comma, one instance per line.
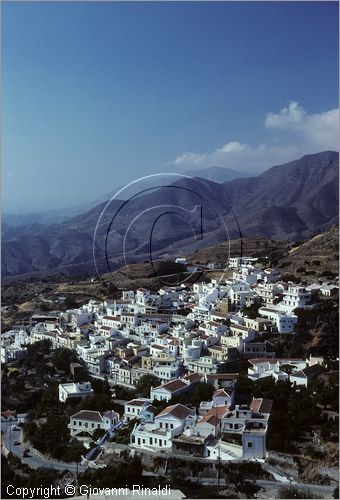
[10, 436]
[219, 453]
[239, 230]
[219, 465]
[77, 485]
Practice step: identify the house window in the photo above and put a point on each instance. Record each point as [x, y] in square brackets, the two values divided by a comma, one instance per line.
[86, 425]
[250, 444]
[150, 440]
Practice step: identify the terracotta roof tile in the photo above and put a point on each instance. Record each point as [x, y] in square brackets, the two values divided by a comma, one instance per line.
[179, 411]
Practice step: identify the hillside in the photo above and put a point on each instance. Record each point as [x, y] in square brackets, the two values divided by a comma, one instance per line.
[287, 202]
[317, 257]
[291, 201]
[217, 174]
[252, 246]
[20, 298]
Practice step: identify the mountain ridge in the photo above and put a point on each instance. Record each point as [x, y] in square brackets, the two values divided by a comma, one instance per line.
[57, 216]
[291, 201]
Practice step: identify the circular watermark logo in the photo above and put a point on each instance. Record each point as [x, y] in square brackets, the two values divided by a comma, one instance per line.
[159, 220]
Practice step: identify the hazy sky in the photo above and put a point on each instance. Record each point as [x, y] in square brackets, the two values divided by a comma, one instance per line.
[98, 94]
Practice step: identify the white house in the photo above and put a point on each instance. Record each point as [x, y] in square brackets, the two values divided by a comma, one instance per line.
[223, 397]
[181, 260]
[167, 371]
[133, 408]
[295, 296]
[262, 368]
[75, 390]
[238, 294]
[251, 422]
[22, 338]
[112, 322]
[204, 365]
[88, 421]
[234, 262]
[306, 375]
[168, 423]
[329, 290]
[166, 391]
[12, 352]
[283, 321]
[271, 275]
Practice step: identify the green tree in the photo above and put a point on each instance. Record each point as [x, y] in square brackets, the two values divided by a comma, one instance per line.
[251, 311]
[37, 350]
[98, 433]
[100, 387]
[124, 393]
[145, 383]
[124, 433]
[293, 492]
[202, 392]
[63, 357]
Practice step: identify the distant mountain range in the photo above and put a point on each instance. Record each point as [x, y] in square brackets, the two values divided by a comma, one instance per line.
[291, 201]
[217, 174]
[57, 216]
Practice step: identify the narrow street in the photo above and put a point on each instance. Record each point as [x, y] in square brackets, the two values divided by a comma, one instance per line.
[34, 460]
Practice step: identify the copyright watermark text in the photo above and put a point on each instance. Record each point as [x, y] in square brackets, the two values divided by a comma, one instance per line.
[40, 491]
[84, 489]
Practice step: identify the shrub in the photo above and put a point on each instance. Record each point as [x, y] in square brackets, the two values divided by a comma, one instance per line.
[293, 492]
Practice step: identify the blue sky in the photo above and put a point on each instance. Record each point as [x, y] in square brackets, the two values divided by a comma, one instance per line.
[97, 94]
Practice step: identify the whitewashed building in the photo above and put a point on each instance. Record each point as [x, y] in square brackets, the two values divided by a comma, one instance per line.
[168, 423]
[75, 390]
[88, 421]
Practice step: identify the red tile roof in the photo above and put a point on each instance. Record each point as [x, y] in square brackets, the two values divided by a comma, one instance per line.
[218, 411]
[254, 361]
[179, 411]
[88, 415]
[210, 419]
[136, 402]
[220, 393]
[193, 377]
[222, 376]
[260, 405]
[173, 386]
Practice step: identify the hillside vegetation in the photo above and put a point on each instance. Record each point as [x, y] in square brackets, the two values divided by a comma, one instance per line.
[317, 257]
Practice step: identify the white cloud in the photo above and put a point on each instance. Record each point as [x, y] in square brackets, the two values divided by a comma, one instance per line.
[232, 147]
[190, 159]
[319, 130]
[290, 116]
[297, 133]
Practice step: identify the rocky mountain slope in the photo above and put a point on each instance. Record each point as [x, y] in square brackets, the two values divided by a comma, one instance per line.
[20, 298]
[317, 257]
[287, 202]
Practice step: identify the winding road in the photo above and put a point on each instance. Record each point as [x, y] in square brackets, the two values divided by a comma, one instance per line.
[33, 459]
